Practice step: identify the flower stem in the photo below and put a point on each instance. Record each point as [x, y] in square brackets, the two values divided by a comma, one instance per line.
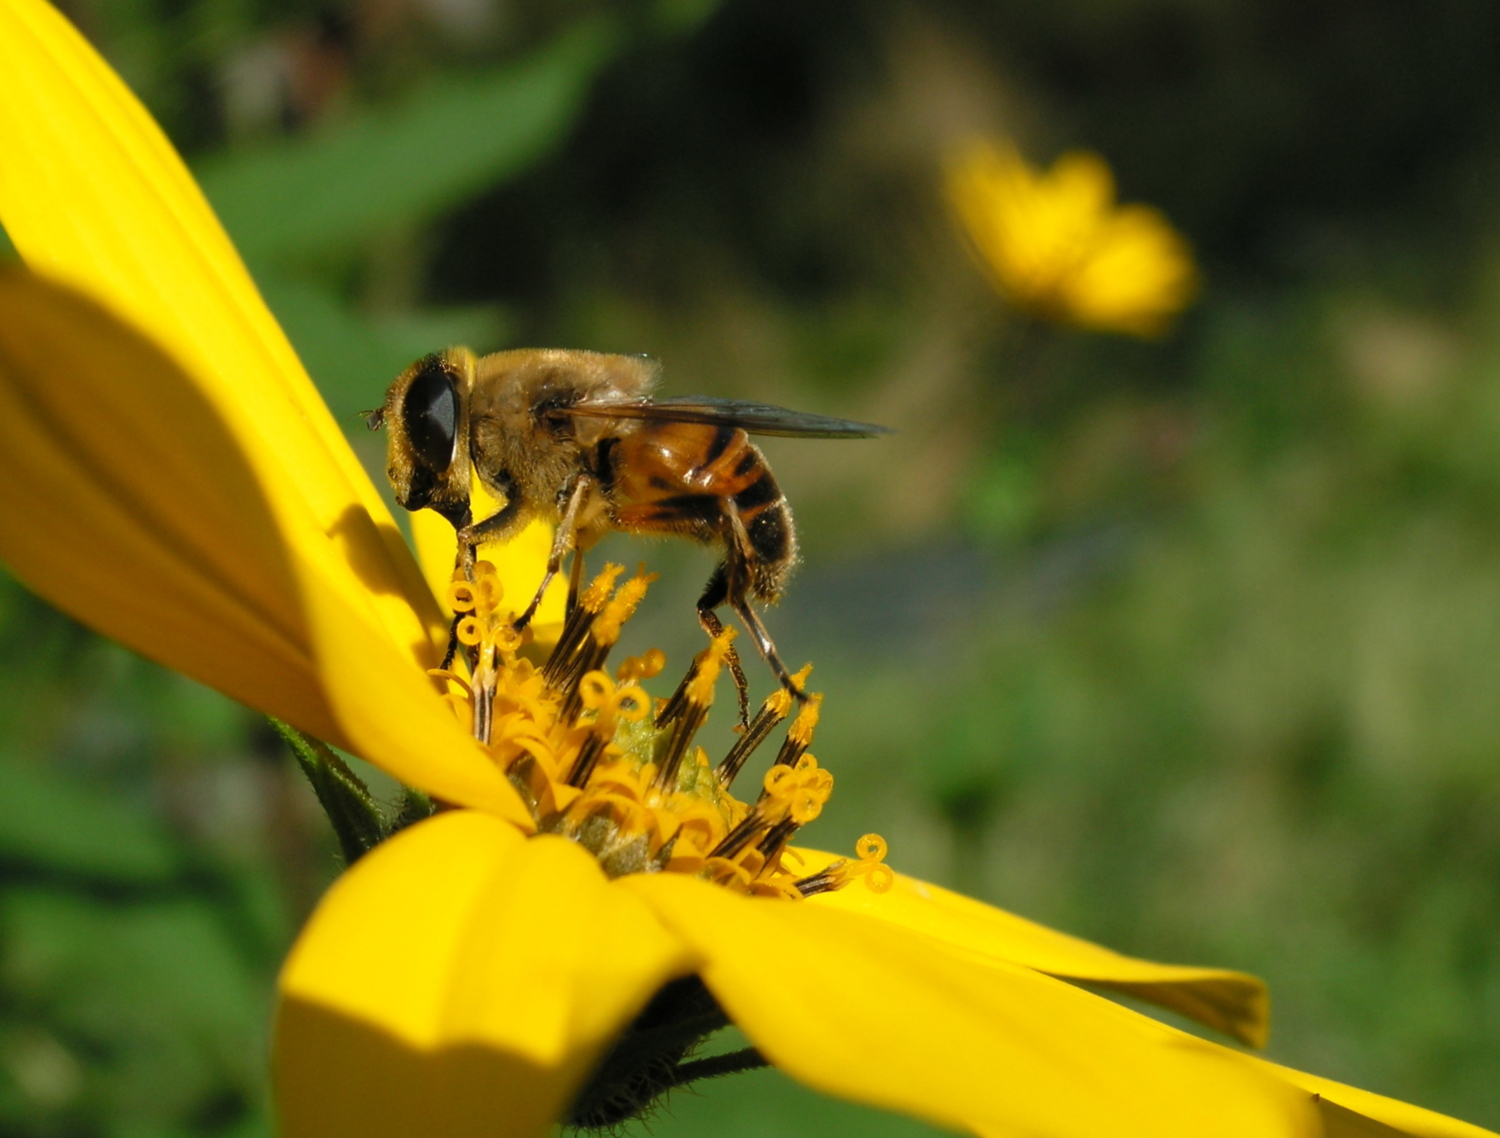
[730, 1063]
[356, 818]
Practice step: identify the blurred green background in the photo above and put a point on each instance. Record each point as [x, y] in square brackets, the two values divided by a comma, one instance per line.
[1191, 647]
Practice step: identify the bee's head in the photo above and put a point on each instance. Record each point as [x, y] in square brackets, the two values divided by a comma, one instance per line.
[425, 415]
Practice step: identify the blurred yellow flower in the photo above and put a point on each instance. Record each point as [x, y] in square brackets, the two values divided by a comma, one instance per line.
[169, 475]
[1058, 247]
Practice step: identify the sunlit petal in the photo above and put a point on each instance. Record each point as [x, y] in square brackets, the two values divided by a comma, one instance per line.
[92, 193]
[874, 1012]
[1231, 1002]
[124, 501]
[1348, 1112]
[127, 502]
[460, 980]
[91, 189]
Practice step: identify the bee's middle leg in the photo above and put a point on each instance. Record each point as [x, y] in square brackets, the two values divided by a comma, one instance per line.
[715, 593]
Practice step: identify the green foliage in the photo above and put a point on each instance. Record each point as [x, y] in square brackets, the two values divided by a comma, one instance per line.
[52, 821]
[136, 952]
[379, 169]
[135, 1017]
[353, 354]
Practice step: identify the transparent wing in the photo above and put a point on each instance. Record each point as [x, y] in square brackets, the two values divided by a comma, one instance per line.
[756, 418]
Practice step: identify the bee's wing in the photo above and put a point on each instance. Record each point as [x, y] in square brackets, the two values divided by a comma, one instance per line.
[756, 418]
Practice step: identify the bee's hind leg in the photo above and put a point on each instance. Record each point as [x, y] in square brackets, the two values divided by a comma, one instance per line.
[767, 647]
[715, 593]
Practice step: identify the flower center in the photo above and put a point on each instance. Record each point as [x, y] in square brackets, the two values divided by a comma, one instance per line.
[597, 761]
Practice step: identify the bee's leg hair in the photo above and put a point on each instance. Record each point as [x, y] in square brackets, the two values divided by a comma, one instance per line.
[737, 564]
[563, 540]
[714, 595]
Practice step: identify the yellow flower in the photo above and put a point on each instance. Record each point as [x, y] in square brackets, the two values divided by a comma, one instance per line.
[1058, 247]
[169, 475]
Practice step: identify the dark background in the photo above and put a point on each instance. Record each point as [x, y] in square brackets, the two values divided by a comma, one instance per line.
[1189, 647]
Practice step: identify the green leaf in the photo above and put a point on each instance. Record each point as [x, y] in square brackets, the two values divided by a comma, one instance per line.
[156, 1001]
[377, 168]
[50, 820]
[353, 357]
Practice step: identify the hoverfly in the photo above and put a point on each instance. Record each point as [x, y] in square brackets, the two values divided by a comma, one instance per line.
[578, 439]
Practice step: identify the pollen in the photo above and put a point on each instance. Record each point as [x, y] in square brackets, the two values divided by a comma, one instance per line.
[597, 760]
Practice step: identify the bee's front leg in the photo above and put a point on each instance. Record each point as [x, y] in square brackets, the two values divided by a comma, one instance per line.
[463, 560]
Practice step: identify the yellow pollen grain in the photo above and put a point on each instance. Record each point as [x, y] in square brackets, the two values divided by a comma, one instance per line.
[701, 690]
[807, 720]
[597, 594]
[608, 623]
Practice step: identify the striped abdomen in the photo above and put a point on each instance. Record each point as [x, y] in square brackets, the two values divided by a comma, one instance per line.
[670, 477]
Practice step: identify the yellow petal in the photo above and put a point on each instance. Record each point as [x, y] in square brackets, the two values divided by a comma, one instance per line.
[127, 502]
[868, 1010]
[92, 193]
[1348, 1111]
[392, 714]
[1231, 1002]
[1138, 276]
[92, 190]
[460, 981]
[1057, 245]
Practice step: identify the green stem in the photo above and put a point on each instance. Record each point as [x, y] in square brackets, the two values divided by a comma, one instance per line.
[351, 808]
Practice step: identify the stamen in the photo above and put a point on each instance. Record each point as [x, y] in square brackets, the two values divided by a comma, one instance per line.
[697, 696]
[777, 707]
[594, 765]
[800, 735]
[878, 876]
[646, 667]
[739, 837]
[713, 656]
[601, 633]
[590, 602]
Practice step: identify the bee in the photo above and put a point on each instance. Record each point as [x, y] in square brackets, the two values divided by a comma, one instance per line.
[577, 438]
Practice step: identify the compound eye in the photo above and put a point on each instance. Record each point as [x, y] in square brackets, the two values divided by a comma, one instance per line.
[430, 415]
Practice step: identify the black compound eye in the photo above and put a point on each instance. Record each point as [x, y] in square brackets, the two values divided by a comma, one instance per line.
[430, 415]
